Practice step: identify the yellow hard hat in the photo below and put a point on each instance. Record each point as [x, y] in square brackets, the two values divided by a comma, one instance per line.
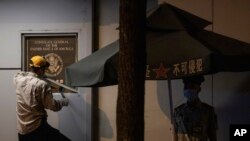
[38, 61]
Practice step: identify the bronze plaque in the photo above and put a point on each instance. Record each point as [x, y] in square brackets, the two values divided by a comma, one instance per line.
[60, 50]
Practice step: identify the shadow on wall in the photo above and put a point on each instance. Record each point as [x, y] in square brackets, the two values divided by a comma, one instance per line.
[106, 129]
[244, 87]
[72, 120]
[163, 95]
[163, 99]
[236, 108]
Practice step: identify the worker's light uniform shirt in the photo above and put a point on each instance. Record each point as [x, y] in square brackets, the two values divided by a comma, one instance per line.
[33, 97]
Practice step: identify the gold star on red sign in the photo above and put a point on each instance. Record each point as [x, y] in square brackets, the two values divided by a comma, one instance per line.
[161, 72]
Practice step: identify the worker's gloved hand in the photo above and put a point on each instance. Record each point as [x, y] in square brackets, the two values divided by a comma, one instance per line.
[61, 89]
[64, 101]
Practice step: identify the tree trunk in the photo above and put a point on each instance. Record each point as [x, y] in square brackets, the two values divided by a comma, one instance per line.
[131, 71]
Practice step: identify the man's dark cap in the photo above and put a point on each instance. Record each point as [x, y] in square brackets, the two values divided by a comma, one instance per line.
[193, 79]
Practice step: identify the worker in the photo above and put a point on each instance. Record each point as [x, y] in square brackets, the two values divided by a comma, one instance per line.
[34, 95]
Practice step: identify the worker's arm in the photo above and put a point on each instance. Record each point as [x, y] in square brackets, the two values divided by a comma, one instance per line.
[49, 102]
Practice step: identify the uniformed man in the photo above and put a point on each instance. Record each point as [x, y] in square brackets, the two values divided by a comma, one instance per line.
[194, 120]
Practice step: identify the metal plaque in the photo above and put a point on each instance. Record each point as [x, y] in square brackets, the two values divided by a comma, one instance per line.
[60, 50]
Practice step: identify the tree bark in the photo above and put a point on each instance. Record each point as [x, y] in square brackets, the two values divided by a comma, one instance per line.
[131, 71]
